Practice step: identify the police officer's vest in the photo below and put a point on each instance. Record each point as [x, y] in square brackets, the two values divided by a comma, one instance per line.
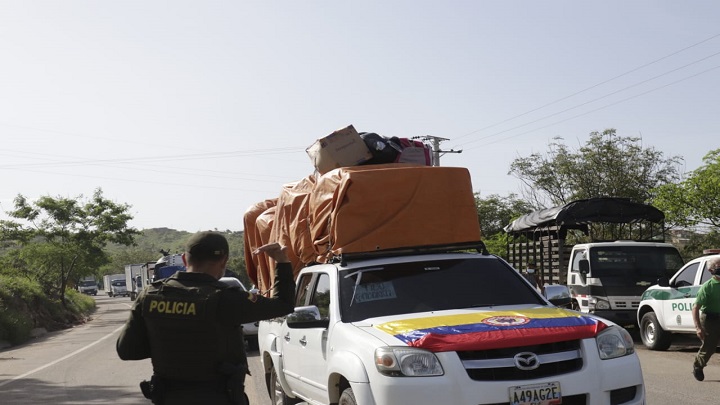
[189, 338]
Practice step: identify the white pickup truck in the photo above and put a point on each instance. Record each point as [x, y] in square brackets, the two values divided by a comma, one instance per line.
[441, 326]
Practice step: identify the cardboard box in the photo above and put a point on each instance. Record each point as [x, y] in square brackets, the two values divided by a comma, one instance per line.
[342, 148]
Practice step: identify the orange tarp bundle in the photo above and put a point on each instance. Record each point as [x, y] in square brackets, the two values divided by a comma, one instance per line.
[363, 209]
[257, 233]
[369, 208]
[291, 226]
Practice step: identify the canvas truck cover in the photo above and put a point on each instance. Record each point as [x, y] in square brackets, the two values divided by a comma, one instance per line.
[363, 209]
[581, 212]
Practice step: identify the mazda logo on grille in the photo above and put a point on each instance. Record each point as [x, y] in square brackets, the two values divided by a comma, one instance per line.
[526, 361]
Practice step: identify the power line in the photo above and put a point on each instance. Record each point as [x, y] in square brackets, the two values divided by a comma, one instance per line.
[163, 158]
[590, 88]
[598, 109]
[601, 97]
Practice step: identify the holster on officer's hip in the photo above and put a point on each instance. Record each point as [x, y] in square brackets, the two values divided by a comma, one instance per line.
[235, 383]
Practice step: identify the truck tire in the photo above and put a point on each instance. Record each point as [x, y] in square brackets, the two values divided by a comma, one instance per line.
[653, 336]
[277, 395]
[110, 294]
[347, 397]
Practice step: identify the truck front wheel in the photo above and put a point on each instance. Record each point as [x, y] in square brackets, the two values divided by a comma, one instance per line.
[653, 336]
[347, 397]
[277, 395]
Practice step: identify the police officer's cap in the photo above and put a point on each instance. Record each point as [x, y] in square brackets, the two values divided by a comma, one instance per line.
[207, 245]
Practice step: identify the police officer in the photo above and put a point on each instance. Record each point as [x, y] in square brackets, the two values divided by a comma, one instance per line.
[189, 324]
[707, 323]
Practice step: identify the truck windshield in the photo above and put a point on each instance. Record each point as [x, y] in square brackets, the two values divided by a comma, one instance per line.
[411, 287]
[118, 283]
[87, 283]
[640, 262]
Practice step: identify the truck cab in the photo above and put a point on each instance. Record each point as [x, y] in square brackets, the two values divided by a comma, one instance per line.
[118, 287]
[606, 250]
[608, 278]
[89, 287]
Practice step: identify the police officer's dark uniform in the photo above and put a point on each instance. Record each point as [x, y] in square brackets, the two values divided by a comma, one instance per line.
[190, 325]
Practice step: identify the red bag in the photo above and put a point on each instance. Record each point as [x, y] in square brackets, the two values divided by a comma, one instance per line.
[415, 152]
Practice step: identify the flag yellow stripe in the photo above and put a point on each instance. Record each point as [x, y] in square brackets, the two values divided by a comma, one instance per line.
[408, 325]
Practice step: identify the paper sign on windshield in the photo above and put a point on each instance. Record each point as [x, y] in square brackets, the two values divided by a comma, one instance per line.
[374, 292]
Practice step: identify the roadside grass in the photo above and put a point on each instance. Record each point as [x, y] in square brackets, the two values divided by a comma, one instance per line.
[24, 306]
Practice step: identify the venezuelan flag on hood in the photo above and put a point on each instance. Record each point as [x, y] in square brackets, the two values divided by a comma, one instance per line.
[493, 330]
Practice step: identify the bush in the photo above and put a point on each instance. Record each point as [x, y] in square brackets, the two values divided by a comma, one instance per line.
[78, 303]
[14, 327]
[24, 306]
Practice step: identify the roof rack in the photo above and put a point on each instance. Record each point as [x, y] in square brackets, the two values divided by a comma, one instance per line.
[478, 246]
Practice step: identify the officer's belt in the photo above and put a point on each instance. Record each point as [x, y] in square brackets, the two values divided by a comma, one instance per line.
[712, 315]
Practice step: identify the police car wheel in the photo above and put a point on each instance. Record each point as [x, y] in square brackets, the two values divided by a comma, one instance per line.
[347, 397]
[277, 395]
[653, 336]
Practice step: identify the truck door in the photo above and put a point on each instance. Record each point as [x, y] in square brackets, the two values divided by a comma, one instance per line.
[576, 281]
[304, 349]
[677, 309]
[316, 343]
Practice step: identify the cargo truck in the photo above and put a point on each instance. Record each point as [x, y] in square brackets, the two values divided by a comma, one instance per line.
[135, 279]
[115, 285]
[606, 250]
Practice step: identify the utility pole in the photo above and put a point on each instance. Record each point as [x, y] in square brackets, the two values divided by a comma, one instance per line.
[435, 142]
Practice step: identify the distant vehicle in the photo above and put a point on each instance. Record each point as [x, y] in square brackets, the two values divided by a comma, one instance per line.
[250, 329]
[88, 287]
[666, 307]
[115, 285]
[132, 272]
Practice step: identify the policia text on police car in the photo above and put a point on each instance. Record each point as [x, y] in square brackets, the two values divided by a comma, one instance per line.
[189, 324]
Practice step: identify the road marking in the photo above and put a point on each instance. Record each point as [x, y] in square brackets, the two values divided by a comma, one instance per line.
[62, 358]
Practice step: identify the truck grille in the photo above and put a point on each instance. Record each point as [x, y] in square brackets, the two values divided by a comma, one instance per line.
[498, 364]
[625, 304]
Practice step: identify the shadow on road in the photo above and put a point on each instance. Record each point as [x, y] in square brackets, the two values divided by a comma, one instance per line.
[34, 391]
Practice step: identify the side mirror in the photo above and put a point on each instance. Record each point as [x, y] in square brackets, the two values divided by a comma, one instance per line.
[558, 295]
[306, 317]
[663, 282]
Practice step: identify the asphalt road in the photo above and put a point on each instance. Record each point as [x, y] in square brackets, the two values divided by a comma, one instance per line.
[80, 366]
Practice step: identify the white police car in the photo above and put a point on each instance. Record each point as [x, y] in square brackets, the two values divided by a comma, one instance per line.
[666, 308]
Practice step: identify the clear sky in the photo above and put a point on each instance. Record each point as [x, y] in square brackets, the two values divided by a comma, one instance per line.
[191, 111]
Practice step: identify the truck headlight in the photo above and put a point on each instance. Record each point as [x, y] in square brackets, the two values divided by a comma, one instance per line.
[407, 361]
[614, 342]
[596, 303]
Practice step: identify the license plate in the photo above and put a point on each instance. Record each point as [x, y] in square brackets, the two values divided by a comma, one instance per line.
[536, 394]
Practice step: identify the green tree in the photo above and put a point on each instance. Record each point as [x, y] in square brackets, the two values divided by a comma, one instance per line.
[608, 165]
[695, 201]
[60, 240]
[494, 213]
